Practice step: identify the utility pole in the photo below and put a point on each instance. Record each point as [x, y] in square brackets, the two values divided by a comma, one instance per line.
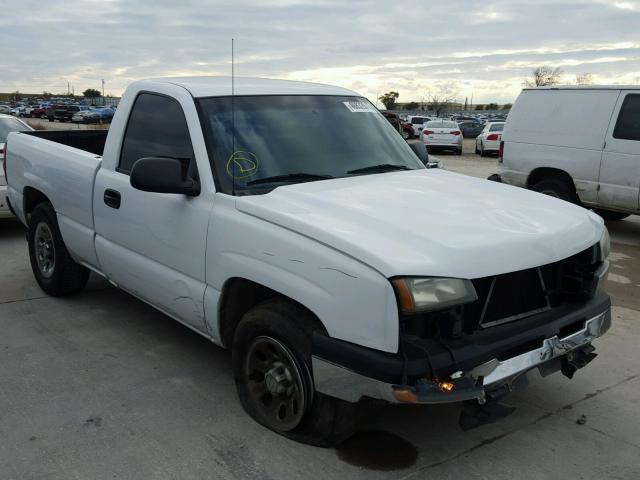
[68, 89]
[103, 99]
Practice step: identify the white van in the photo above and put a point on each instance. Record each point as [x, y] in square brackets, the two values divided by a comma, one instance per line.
[581, 144]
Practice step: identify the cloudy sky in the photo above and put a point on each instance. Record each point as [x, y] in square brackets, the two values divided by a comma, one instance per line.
[417, 48]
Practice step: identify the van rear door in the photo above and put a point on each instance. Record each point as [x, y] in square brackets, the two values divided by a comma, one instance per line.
[620, 168]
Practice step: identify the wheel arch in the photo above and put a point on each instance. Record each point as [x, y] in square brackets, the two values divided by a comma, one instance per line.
[546, 173]
[238, 296]
[31, 198]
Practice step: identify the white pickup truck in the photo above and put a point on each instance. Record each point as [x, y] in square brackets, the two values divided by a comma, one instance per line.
[334, 265]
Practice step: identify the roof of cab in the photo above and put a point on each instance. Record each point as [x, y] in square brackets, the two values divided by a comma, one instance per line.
[221, 86]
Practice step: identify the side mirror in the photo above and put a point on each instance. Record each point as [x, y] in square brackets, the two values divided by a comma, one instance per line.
[162, 175]
[421, 151]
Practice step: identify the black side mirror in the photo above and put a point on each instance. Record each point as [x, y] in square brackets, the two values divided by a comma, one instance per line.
[163, 175]
[421, 151]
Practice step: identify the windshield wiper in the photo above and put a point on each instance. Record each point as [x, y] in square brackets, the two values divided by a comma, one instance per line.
[290, 177]
[383, 167]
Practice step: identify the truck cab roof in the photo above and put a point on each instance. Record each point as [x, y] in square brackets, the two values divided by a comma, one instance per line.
[220, 86]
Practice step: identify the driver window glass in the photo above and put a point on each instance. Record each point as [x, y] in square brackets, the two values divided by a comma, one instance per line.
[157, 127]
[628, 124]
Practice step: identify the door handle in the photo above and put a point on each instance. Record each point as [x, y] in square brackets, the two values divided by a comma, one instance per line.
[112, 198]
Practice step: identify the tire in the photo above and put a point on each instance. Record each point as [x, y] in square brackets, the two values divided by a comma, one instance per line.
[558, 188]
[482, 152]
[55, 271]
[406, 135]
[459, 151]
[611, 215]
[297, 412]
[51, 119]
[476, 149]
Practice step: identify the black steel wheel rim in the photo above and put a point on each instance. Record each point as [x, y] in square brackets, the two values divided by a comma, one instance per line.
[45, 251]
[276, 384]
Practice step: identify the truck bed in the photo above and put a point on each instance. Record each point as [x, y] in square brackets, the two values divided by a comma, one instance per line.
[62, 166]
[88, 140]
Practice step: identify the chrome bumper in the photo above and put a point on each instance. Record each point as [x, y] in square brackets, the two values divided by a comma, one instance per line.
[337, 381]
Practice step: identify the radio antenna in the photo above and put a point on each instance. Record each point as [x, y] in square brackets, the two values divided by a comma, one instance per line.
[233, 122]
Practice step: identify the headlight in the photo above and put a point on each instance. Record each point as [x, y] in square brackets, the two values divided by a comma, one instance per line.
[605, 245]
[416, 294]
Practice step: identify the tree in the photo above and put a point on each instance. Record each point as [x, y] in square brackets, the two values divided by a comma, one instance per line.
[478, 107]
[544, 76]
[491, 106]
[92, 93]
[389, 99]
[506, 106]
[584, 79]
[440, 103]
[411, 106]
[47, 95]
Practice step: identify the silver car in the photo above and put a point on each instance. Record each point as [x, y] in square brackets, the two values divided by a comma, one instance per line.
[442, 135]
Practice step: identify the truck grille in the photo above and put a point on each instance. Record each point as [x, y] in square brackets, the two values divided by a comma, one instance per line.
[512, 296]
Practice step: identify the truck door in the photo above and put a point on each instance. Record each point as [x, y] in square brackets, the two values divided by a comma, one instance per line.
[153, 244]
[620, 167]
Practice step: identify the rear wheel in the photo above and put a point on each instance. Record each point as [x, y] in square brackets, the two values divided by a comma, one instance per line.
[55, 271]
[610, 214]
[272, 370]
[482, 152]
[459, 151]
[405, 134]
[558, 188]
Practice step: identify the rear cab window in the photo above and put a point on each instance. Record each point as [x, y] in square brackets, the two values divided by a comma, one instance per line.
[156, 127]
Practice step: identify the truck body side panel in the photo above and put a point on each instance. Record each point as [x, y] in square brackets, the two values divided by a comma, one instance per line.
[65, 175]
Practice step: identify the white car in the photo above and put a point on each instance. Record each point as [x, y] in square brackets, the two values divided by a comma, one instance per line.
[7, 124]
[442, 135]
[580, 144]
[489, 139]
[417, 122]
[331, 262]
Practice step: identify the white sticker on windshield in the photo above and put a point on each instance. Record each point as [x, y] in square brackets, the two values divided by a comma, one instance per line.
[359, 106]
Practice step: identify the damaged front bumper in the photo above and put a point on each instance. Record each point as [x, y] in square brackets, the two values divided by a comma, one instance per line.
[350, 372]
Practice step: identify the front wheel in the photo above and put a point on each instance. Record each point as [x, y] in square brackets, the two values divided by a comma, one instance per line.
[406, 135]
[558, 188]
[55, 271]
[272, 370]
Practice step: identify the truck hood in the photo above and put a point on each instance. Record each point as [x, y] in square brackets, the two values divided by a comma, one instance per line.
[431, 222]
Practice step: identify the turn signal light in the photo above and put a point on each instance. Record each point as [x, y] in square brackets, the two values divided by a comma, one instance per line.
[445, 387]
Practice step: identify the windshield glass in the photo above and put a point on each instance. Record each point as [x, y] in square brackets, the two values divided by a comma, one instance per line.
[298, 137]
[496, 127]
[8, 125]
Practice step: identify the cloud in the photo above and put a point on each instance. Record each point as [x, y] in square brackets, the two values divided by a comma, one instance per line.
[485, 50]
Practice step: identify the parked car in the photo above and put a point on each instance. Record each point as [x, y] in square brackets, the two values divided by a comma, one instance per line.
[442, 135]
[417, 122]
[332, 263]
[19, 111]
[7, 124]
[5, 109]
[394, 120]
[580, 144]
[39, 112]
[471, 129]
[64, 113]
[489, 139]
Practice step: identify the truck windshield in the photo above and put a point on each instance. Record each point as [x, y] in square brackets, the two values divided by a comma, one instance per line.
[280, 140]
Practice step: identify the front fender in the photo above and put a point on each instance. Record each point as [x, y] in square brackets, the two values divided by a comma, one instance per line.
[354, 302]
